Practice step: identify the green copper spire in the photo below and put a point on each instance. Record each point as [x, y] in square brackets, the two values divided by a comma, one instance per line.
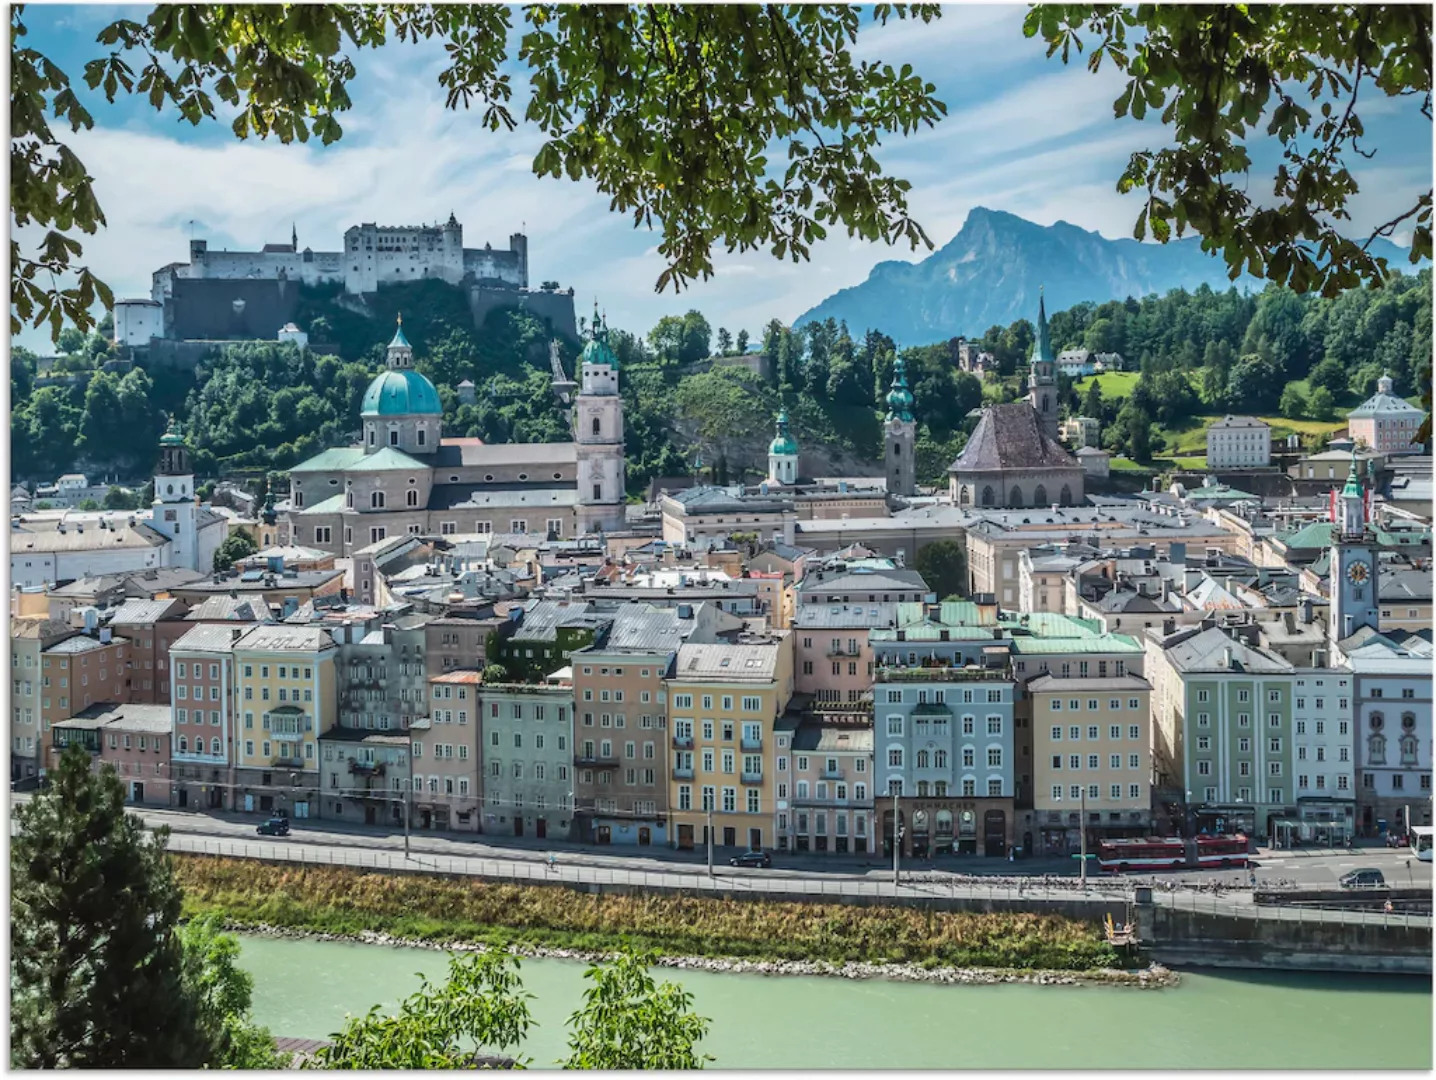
[1042, 347]
[900, 399]
[1353, 480]
[400, 341]
[783, 443]
[172, 436]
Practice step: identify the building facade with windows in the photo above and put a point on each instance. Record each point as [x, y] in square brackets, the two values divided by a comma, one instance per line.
[1384, 422]
[832, 656]
[1091, 748]
[132, 739]
[1222, 720]
[527, 758]
[1238, 442]
[1391, 695]
[29, 688]
[621, 742]
[1324, 754]
[831, 778]
[445, 754]
[203, 691]
[287, 699]
[723, 702]
[79, 671]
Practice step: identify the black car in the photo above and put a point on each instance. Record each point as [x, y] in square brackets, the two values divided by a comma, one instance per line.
[752, 858]
[1363, 879]
[275, 826]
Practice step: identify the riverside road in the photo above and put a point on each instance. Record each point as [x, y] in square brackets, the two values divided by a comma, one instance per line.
[335, 843]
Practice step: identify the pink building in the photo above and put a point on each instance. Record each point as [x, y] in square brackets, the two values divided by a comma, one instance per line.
[832, 658]
[134, 739]
[1385, 422]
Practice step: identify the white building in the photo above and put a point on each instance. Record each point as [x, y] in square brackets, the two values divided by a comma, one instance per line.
[1392, 702]
[136, 321]
[289, 334]
[1238, 442]
[1322, 747]
[1385, 422]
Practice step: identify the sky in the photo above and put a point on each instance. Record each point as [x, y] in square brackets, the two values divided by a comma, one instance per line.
[1023, 134]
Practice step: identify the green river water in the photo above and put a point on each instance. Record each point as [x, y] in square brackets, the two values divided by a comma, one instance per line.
[1245, 1020]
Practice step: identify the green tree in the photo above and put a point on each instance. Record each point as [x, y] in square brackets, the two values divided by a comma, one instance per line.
[97, 967]
[628, 1021]
[234, 547]
[742, 342]
[495, 673]
[88, 505]
[681, 339]
[1255, 383]
[224, 990]
[1321, 404]
[1293, 402]
[943, 566]
[1330, 374]
[481, 1003]
[725, 342]
[1214, 73]
[670, 111]
[117, 498]
[1092, 400]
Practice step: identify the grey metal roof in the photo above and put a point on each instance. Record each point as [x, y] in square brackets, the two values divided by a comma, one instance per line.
[1206, 652]
[862, 580]
[1405, 584]
[747, 662]
[645, 628]
[816, 616]
[230, 609]
[819, 738]
[144, 719]
[80, 643]
[279, 638]
[143, 611]
[210, 637]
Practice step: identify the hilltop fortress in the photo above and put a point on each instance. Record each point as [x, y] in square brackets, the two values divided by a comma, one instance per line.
[253, 295]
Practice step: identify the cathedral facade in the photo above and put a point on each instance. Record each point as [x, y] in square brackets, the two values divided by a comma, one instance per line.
[405, 478]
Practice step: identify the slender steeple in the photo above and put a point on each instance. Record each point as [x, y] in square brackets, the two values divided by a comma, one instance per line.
[294, 235]
[899, 435]
[899, 399]
[1042, 347]
[1042, 379]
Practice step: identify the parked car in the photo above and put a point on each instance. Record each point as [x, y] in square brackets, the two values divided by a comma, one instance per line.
[275, 826]
[1369, 878]
[752, 858]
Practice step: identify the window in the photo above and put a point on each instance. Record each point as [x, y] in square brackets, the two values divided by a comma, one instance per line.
[895, 759]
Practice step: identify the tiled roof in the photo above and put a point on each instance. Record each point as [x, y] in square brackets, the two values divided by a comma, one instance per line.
[1010, 437]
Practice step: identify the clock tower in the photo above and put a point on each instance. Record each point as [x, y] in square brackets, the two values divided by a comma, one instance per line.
[1353, 563]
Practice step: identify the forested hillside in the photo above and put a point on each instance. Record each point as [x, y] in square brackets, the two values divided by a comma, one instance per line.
[262, 406]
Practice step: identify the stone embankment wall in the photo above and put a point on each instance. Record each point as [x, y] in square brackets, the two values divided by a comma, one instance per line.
[1181, 937]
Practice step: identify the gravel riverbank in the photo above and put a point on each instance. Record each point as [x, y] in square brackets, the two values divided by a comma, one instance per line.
[1149, 978]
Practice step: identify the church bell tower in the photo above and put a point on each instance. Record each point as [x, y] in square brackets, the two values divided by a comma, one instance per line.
[175, 512]
[1042, 379]
[1353, 563]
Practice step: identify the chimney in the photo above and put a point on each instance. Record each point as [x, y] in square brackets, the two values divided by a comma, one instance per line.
[1169, 626]
[1166, 589]
[105, 635]
[1227, 658]
[235, 633]
[1306, 612]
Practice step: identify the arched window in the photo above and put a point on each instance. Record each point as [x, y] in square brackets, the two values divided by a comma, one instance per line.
[987, 496]
[1408, 750]
[596, 426]
[371, 436]
[411, 497]
[1016, 495]
[298, 497]
[183, 745]
[1377, 750]
[939, 759]
[964, 495]
[922, 759]
[944, 823]
[897, 449]
[1039, 497]
[376, 500]
[214, 747]
[1066, 497]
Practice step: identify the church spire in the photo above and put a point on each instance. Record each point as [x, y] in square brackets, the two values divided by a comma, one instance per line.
[1042, 347]
[294, 235]
[899, 399]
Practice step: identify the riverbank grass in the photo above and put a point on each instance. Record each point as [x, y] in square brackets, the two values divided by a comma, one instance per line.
[349, 902]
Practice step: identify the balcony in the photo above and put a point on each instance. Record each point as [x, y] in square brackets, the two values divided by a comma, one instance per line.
[683, 742]
[287, 763]
[835, 651]
[366, 768]
[683, 772]
[599, 761]
[832, 774]
[752, 778]
[752, 745]
[941, 674]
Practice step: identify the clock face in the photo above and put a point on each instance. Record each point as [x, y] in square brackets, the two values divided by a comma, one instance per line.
[1357, 573]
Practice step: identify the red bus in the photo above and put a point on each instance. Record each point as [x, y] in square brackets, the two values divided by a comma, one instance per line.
[1223, 851]
[1147, 854]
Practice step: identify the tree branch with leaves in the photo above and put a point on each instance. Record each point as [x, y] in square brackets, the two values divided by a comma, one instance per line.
[671, 111]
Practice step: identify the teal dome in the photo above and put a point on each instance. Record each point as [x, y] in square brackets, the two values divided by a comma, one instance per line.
[899, 399]
[598, 352]
[783, 443]
[400, 392]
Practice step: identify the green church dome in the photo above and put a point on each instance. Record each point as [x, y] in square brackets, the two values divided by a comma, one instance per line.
[400, 392]
[899, 399]
[598, 352]
[783, 443]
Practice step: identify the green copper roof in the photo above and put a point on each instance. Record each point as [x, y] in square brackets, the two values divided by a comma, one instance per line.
[1353, 481]
[597, 350]
[400, 392]
[172, 436]
[783, 443]
[1042, 347]
[336, 459]
[400, 341]
[900, 400]
[386, 460]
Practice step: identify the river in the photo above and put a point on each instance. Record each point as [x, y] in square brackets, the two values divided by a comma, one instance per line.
[1246, 1020]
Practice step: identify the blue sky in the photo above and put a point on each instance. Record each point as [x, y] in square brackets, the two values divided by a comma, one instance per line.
[1023, 134]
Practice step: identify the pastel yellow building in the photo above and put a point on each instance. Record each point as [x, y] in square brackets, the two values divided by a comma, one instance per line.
[723, 700]
[284, 678]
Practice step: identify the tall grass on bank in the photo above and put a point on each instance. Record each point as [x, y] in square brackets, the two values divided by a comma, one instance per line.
[339, 900]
